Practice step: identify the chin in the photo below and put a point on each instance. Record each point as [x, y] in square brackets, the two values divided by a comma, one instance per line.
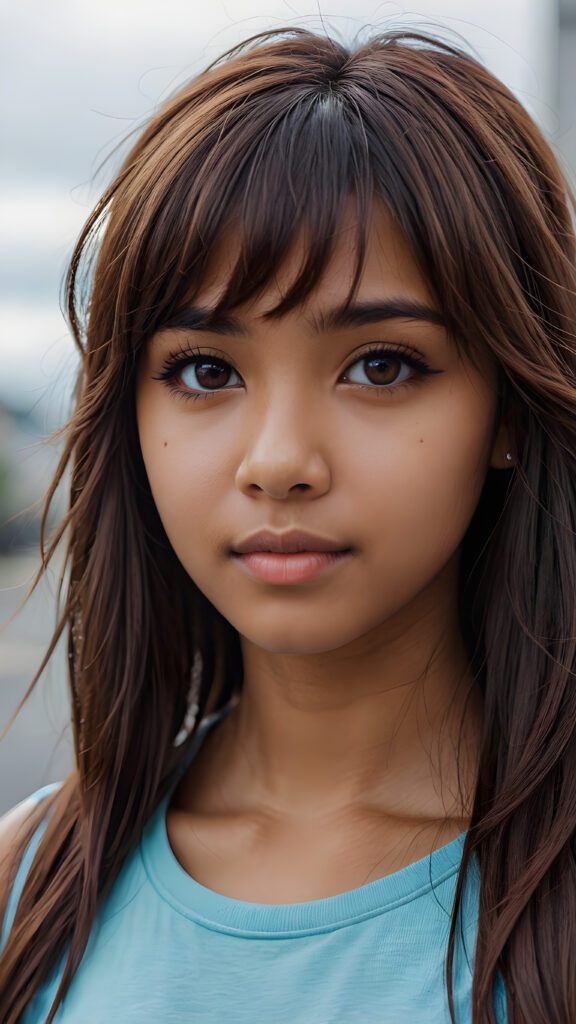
[299, 641]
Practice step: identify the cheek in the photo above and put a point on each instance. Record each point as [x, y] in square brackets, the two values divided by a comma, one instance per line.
[183, 487]
[417, 488]
[429, 480]
[188, 481]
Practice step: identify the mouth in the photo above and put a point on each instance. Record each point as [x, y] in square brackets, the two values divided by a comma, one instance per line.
[289, 558]
[289, 569]
[292, 542]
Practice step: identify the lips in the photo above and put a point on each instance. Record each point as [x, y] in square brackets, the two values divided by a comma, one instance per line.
[287, 543]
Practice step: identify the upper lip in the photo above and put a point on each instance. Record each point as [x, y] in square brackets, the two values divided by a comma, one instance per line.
[287, 543]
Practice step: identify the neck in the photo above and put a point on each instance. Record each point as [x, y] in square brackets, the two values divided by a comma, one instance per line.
[390, 722]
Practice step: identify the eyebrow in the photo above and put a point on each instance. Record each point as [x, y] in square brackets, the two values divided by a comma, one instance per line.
[358, 314]
[197, 318]
[361, 313]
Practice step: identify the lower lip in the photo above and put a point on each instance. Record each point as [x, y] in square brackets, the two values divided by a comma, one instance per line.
[299, 567]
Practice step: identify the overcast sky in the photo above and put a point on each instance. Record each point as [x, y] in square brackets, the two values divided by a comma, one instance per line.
[78, 75]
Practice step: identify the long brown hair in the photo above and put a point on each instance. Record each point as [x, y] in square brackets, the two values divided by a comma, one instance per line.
[274, 139]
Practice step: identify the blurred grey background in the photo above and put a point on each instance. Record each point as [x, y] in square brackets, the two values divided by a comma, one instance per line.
[76, 77]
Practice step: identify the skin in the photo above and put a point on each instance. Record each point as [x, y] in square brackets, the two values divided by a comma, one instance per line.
[339, 764]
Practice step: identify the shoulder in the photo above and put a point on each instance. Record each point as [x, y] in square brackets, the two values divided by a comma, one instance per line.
[13, 821]
[13, 826]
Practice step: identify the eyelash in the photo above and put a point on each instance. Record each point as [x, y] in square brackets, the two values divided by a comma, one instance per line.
[176, 362]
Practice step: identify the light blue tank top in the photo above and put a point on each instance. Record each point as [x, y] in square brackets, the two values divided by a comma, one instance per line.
[166, 950]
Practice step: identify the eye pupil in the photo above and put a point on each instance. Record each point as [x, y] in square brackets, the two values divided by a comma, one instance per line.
[382, 370]
[212, 374]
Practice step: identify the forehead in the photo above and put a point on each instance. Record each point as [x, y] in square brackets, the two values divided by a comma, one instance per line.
[389, 268]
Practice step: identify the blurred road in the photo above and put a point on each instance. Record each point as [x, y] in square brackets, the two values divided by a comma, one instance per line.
[37, 748]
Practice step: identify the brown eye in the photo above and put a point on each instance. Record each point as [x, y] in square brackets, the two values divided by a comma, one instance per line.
[380, 369]
[206, 374]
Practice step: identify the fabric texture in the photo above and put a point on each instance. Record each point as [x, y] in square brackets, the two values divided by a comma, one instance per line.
[167, 950]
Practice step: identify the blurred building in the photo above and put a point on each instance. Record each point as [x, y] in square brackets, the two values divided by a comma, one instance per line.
[27, 461]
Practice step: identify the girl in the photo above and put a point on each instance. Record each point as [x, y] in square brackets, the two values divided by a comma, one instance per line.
[321, 579]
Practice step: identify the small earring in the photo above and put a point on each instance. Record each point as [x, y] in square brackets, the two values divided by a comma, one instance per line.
[509, 456]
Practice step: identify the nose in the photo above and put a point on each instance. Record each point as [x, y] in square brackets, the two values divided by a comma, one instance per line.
[284, 455]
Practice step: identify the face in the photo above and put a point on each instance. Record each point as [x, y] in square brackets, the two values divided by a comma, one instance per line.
[368, 433]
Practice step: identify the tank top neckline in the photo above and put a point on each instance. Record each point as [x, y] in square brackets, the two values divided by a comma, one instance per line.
[289, 920]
